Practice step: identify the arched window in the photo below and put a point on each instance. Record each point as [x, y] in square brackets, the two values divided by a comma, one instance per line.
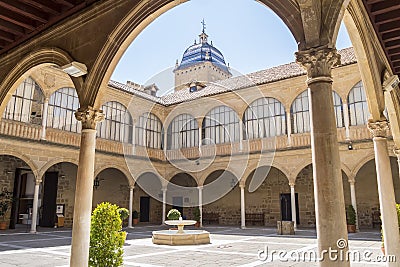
[338, 107]
[265, 117]
[149, 129]
[300, 114]
[183, 132]
[358, 107]
[63, 104]
[220, 125]
[26, 104]
[117, 124]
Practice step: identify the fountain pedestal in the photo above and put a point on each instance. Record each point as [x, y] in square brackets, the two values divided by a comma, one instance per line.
[181, 237]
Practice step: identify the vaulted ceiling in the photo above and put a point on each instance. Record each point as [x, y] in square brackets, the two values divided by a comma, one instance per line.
[385, 16]
[21, 20]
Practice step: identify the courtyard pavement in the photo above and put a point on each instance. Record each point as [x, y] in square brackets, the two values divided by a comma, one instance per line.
[230, 246]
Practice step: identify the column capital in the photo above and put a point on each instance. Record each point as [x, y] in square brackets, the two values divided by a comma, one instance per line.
[200, 187]
[352, 182]
[131, 187]
[89, 117]
[292, 184]
[318, 63]
[242, 186]
[378, 128]
[37, 182]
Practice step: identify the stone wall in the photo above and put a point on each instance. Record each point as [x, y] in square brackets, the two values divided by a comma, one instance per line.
[305, 189]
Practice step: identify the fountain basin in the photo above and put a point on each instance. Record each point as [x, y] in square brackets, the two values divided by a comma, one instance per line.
[174, 238]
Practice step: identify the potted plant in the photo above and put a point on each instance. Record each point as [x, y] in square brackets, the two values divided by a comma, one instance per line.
[398, 219]
[123, 214]
[173, 214]
[5, 204]
[196, 215]
[135, 217]
[351, 219]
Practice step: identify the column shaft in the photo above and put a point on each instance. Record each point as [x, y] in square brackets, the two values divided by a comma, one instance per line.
[164, 205]
[44, 118]
[346, 119]
[201, 205]
[130, 207]
[354, 200]
[242, 208]
[84, 187]
[387, 201]
[327, 176]
[289, 127]
[240, 136]
[35, 206]
[293, 205]
[134, 139]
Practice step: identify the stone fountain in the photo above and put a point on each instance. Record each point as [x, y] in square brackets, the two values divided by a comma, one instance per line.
[181, 237]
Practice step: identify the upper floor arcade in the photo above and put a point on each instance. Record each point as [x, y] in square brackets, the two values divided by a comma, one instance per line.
[270, 112]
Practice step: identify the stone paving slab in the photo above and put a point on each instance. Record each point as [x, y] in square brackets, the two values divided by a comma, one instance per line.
[230, 246]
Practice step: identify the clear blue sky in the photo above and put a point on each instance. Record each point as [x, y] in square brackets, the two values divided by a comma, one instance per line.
[250, 36]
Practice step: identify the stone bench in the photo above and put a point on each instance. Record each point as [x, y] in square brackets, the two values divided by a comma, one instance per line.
[254, 218]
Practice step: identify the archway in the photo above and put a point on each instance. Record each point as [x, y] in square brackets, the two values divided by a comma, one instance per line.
[111, 186]
[148, 203]
[226, 209]
[57, 194]
[367, 192]
[271, 199]
[17, 178]
[182, 193]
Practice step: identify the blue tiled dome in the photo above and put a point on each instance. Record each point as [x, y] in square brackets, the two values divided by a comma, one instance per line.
[203, 52]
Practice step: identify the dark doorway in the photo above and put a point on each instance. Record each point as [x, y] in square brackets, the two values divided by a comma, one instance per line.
[49, 199]
[21, 210]
[286, 208]
[144, 209]
[178, 204]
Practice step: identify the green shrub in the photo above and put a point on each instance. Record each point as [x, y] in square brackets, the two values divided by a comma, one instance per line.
[106, 237]
[173, 214]
[123, 213]
[196, 214]
[351, 215]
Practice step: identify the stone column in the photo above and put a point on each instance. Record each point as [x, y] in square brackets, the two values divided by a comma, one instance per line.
[242, 208]
[327, 175]
[387, 202]
[353, 199]
[240, 135]
[84, 186]
[293, 204]
[35, 206]
[134, 139]
[44, 118]
[200, 136]
[346, 119]
[201, 204]
[130, 206]
[164, 204]
[289, 127]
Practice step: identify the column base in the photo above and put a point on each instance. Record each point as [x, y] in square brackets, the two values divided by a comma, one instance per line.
[33, 232]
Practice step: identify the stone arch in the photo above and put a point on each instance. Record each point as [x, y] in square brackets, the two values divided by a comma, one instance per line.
[141, 16]
[202, 178]
[361, 163]
[32, 165]
[31, 62]
[251, 168]
[123, 170]
[55, 161]
[138, 175]
[369, 60]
